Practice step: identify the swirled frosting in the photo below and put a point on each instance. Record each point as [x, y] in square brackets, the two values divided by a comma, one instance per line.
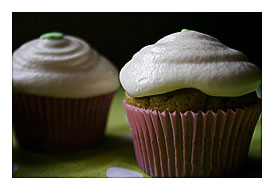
[189, 59]
[66, 68]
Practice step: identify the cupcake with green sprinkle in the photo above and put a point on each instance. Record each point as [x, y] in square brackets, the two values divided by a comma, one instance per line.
[62, 90]
[192, 106]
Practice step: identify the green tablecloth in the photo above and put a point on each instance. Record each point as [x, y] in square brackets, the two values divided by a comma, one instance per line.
[116, 150]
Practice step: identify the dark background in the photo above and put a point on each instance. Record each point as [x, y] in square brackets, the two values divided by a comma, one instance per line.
[119, 35]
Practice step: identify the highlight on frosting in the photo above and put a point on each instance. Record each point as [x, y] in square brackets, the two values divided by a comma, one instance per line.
[67, 67]
[189, 59]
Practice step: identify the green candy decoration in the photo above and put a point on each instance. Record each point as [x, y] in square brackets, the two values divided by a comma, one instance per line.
[52, 35]
[259, 91]
[185, 30]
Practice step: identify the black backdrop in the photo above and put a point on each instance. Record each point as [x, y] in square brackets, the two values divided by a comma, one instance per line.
[119, 35]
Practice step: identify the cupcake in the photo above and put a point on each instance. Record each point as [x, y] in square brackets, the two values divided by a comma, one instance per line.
[192, 106]
[62, 90]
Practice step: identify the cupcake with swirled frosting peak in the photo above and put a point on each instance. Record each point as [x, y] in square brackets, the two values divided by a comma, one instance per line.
[62, 90]
[192, 106]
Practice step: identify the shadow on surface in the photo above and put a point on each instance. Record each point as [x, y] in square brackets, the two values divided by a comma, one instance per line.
[111, 148]
[252, 168]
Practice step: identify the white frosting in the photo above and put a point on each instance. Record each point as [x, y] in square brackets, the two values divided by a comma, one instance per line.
[66, 68]
[189, 59]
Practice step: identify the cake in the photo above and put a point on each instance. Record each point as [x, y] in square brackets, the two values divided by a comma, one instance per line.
[192, 106]
[62, 90]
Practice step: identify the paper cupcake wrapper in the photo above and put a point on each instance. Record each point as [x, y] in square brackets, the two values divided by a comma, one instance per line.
[55, 124]
[211, 144]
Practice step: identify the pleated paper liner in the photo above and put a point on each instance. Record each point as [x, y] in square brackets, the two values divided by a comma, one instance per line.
[211, 144]
[55, 124]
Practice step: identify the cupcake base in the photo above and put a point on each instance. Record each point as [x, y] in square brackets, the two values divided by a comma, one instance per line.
[55, 124]
[201, 144]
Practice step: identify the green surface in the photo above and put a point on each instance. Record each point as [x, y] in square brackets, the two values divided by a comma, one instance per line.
[113, 151]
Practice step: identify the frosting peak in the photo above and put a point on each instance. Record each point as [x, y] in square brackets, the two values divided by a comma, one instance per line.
[66, 67]
[189, 59]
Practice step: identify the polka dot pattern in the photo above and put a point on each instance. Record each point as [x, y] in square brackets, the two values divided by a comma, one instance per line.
[14, 168]
[117, 172]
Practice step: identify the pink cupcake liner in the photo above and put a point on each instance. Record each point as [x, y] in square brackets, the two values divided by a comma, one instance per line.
[55, 124]
[211, 144]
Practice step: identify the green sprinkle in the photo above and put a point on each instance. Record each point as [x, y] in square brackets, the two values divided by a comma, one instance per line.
[185, 30]
[259, 91]
[52, 35]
